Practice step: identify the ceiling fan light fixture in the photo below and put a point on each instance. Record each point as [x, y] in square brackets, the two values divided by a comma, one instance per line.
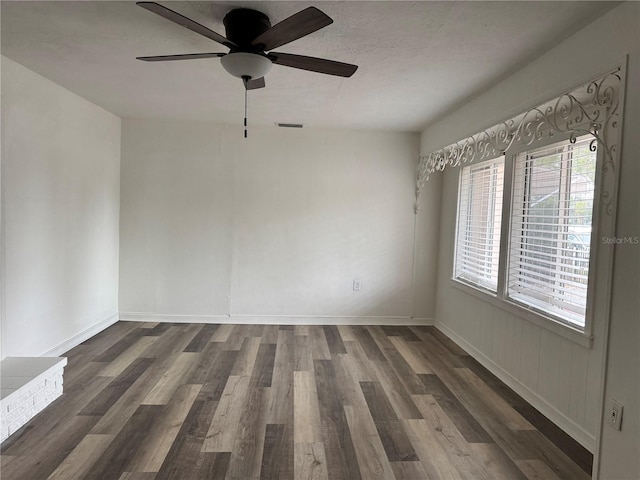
[242, 64]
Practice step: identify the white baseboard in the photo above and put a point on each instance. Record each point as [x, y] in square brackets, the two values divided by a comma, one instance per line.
[276, 319]
[81, 337]
[574, 430]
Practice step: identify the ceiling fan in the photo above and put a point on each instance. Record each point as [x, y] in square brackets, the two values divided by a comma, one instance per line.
[249, 36]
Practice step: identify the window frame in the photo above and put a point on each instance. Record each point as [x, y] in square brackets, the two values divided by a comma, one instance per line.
[479, 285]
[499, 298]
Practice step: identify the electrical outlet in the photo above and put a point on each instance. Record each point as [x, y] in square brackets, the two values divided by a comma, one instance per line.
[357, 285]
[615, 414]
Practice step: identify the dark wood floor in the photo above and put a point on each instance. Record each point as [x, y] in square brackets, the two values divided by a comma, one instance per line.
[185, 401]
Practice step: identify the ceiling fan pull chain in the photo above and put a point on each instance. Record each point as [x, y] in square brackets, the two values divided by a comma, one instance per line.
[245, 110]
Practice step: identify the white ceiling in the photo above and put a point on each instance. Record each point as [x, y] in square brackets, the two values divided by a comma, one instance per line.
[418, 60]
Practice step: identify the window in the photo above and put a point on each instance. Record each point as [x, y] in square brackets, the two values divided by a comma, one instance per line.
[550, 238]
[479, 218]
[546, 231]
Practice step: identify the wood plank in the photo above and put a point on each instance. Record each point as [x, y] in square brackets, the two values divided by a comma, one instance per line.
[507, 394]
[37, 434]
[468, 426]
[370, 347]
[172, 342]
[490, 419]
[249, 437]
[185, 460]
[400, 331]
[346, 333]
[396, 393]
[270, 334]
[119, 365]
[52, 452]
[362, 368]
[105, 339]
[432, 349]
[138, 476]
[207, 361]
[160, 329]
[82, 458]
[536, 470]
[341, 459]
[306, 413]
[459, 452]
[201, 338]
[371, 456]
[280, 410]
[449, 344]
[121, 346]
[222, 333]
[277, 458]
[125, 446]
[149, 325]
[217, 377]
[400, 366]
[470, 462]
[262, 374]
[112, 392]
[532, 445]
[495, 462]
[310, 462]
[163, 433]
[319, 347]
[409, 471]
[391, 432]
[246, 357]
[253, 330]
[416, 361]
[122, 410]
[434, 459]
[79, 368]
[347, 387]
[175, 376]
[334, 341]
[302, 330]
[564, 442]
[235, 338]
[222, 431]
[508, 415]
[302, 357]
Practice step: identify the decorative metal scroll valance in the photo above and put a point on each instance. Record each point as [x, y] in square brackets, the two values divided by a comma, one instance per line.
[592, 109]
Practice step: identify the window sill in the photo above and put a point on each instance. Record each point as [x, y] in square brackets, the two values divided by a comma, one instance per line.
[577, 336]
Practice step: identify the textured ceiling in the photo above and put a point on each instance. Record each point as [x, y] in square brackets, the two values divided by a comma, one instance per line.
[418, 60]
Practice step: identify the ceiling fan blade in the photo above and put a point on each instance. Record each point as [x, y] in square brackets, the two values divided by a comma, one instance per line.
[175, 17]
[185, 56]
[296, 26]
[254, 84]
[313, 64]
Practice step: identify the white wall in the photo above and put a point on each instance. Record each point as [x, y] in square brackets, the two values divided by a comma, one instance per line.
[562, 378]
[60, 201]
[278, 224]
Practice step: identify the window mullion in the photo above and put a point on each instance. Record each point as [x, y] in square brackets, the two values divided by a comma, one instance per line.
[505, 227]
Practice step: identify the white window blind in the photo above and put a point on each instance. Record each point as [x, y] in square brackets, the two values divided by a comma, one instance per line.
[479, 217]
[550, 238]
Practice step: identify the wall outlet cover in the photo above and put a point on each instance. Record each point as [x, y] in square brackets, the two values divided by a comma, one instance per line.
[615, 414]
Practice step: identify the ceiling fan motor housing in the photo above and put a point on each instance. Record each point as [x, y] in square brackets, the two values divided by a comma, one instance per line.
[242, 25]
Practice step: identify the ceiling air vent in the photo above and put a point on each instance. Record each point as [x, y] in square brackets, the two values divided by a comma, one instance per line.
[288, 125]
